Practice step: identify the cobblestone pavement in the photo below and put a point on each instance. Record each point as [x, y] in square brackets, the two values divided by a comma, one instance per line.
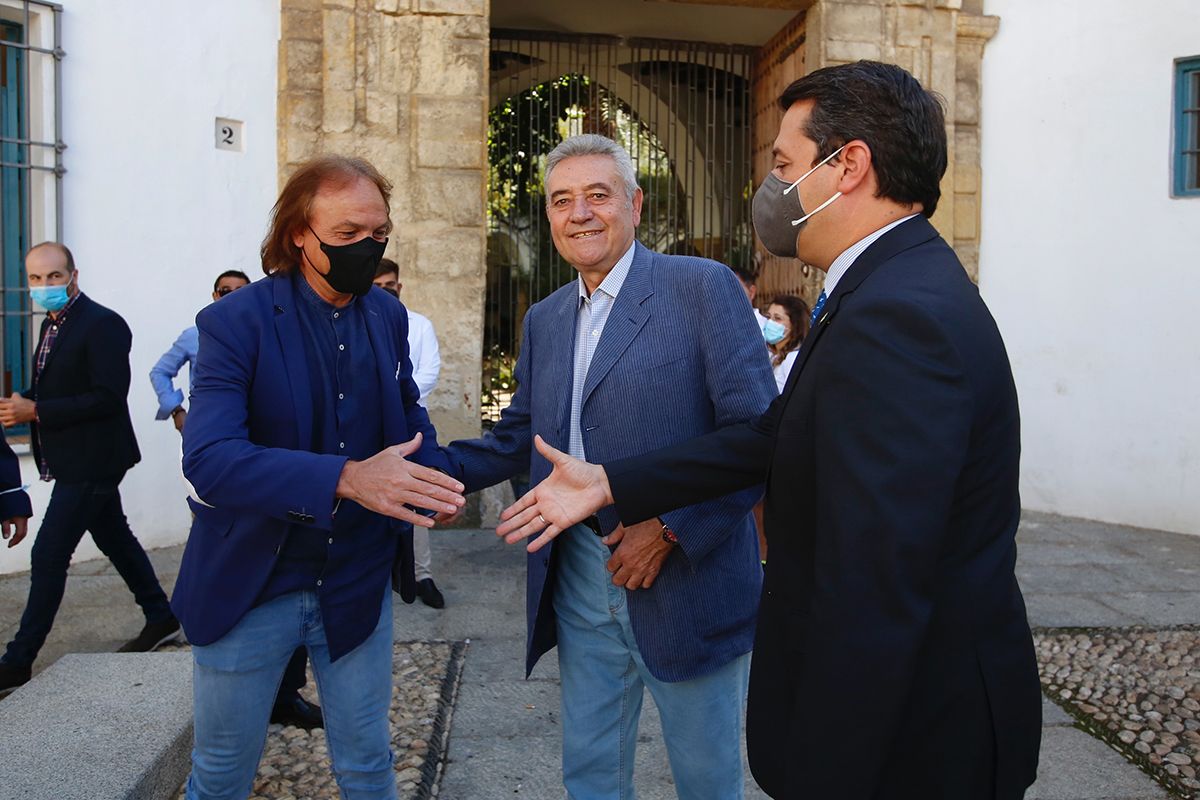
[1136, 689]
[295, 763]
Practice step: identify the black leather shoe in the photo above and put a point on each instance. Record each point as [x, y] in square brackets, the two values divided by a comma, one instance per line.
[152, 637]
[12, 678]
[427, 590]
[297, 712]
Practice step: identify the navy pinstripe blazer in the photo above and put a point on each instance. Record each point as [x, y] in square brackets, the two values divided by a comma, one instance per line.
[680, 356]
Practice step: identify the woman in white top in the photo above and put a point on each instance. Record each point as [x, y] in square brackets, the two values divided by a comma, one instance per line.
[786, 327]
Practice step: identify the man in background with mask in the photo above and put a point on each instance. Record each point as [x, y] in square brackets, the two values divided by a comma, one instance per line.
[310, 459]
[891, 617]
[83, 441]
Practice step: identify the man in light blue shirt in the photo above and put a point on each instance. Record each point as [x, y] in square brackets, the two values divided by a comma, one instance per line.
[164, 371]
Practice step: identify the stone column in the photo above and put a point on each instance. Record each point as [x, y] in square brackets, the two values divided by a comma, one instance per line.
[403, 84]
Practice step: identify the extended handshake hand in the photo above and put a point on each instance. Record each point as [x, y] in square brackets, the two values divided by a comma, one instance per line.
[388, 483]
[573, 491]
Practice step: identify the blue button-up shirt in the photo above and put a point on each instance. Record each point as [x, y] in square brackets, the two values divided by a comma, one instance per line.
[347, 421]
[162, 374]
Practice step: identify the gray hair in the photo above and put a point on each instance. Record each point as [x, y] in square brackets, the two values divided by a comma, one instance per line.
[593, 144]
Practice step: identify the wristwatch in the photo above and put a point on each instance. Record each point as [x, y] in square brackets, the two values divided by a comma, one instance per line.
[668, 535]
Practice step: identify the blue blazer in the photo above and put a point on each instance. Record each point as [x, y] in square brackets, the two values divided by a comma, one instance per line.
[247, 452]
[680, 356]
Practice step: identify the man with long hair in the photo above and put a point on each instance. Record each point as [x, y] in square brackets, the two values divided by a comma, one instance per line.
[310, 458]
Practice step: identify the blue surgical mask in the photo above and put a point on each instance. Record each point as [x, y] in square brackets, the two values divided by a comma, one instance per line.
[774, 332]
[51, 298]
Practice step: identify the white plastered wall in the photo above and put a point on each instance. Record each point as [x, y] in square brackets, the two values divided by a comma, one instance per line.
[153, 211]
[1089, 264]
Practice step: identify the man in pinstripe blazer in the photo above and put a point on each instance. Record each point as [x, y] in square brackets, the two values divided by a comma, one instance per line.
[642, 351]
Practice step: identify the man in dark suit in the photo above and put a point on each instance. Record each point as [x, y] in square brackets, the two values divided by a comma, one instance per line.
[82, 440]
[893, 658]
[308, 451]
[641, 351]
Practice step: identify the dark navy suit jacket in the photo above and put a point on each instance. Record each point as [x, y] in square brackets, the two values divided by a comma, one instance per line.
[893, 657]
[246, 452]
[14, 502]
[680, 356]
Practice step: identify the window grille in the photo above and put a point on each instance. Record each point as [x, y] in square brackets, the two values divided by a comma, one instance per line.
[1187, 127]
[31, 168]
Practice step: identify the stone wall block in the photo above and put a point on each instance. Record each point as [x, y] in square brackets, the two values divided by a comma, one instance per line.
[393, 6]
[450, 64]
[854, 22]
[953, 5]
[382, 109]
[338, 70]
[302, 64]
[301, 24]
[338, 3]
[399, 40]
[463, 7]
[450, 252]
[449, 195]
[845, 52]
[449, 132]
[303, 111]
[966, 217]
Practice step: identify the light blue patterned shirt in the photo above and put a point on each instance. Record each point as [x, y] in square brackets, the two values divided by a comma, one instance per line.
[590, 317]
[162, 374]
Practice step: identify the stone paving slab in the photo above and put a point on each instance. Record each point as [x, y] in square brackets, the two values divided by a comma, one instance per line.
[115, 726]
[1074, 766]
[494, 752]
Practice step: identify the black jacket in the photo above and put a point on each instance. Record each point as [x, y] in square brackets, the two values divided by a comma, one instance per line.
[14, 502]
[893, 658]
[83, 428]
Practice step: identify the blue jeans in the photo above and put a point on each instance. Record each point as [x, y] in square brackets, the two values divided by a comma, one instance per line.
[234, 684]
[603, 676]
[75, 508]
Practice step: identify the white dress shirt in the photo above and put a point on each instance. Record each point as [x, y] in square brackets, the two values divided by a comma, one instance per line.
[842, 263]
[783, 369]
[423, 352]
[590, 317]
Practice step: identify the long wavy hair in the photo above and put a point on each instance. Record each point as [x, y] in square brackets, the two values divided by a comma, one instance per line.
[279, 253]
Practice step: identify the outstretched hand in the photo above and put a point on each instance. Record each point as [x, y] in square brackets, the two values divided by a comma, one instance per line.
[388, 483]
[573, 492]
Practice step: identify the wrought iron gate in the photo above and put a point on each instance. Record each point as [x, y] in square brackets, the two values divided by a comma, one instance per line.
[683, 112]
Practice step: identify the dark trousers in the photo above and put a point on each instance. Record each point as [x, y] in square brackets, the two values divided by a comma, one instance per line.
[95, 507]
[293, 677]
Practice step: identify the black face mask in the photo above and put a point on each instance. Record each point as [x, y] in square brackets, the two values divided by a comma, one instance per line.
[352, 266]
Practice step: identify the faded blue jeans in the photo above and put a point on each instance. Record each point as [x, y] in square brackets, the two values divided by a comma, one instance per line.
[235, 680]
[603, 677]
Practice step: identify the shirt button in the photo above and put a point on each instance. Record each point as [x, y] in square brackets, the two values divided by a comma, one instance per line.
[341, 396]
[595, 333]
[318, 581]
[335, 315]
[342, 445]
[331, 541]
[341, 347]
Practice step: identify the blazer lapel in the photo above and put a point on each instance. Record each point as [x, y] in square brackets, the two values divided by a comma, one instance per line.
[291, 344]
[904, 236]
[562, 355]
[626, 319]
